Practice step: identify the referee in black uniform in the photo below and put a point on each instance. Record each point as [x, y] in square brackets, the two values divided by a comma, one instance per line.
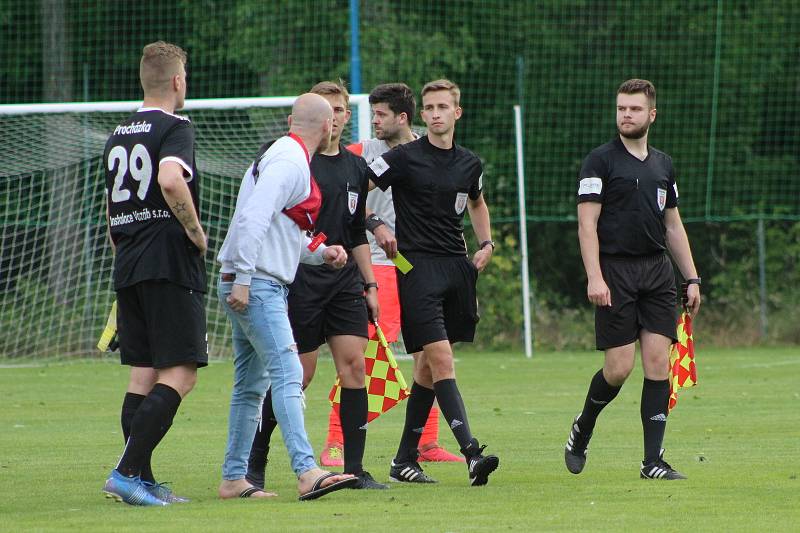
[334, 305]
[627, 219]
[159, 273]
[434, 181]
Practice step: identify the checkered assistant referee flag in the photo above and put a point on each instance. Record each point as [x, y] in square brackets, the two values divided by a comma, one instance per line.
[682, 370]
[386, 386]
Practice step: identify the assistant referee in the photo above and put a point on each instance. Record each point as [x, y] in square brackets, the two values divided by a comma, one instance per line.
[434, 181]
[627, 219]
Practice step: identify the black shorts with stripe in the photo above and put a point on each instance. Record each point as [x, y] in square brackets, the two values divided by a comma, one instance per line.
[161, 325]
[643, 296]
[438, 301]
[324, 301]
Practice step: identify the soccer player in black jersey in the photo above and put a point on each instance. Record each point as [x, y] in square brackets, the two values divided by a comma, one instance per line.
[159, 271]
[434, 181]
[334, 305]
[627, 219]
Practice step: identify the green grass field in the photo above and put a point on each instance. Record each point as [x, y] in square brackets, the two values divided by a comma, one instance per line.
[736, 436]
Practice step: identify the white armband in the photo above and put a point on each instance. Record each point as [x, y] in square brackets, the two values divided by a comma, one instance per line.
[590, 186]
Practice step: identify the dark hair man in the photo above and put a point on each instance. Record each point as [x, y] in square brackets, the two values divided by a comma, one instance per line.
[434, 181]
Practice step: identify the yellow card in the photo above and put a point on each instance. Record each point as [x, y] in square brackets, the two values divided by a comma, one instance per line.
[402, 263]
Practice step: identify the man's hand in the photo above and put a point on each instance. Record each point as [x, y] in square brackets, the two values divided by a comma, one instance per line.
[199, 239]
[335, 256]
[598, 292]
[386, 240]
[373, 309]
[238, 298]
[691, 298]
[482, 257]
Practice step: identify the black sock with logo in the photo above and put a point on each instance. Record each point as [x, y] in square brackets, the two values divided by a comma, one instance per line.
[452, 407]
[600, 394]
[655, 408]
[418, 407]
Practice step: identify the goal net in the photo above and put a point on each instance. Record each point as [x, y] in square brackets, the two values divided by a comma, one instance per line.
[55, 259]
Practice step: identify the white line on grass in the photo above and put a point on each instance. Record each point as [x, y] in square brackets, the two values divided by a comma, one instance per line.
[770, 365]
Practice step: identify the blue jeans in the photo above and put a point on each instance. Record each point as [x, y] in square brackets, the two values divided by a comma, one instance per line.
[263, 351]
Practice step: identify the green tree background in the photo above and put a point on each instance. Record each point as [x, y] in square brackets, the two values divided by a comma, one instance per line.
[726, 72]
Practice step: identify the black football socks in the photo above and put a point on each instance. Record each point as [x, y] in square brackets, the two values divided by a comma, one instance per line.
[418, 408]
[654, 409]
[600, 394]
[353, 417]
[130, 404]
[148, 426]
[452, 407]
[260, 448]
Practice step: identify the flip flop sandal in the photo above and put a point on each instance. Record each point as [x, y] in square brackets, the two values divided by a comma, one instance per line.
[249, 491]
[317, 490]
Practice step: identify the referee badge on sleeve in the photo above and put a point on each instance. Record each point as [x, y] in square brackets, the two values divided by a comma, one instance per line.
[590, 186]
[461, 202]
[662, 198]
[379, 166]
[352, 202]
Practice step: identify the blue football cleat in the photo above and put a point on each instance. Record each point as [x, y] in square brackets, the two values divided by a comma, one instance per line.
[130, 490]
[163, 492]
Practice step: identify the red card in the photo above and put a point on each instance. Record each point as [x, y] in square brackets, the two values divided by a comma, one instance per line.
[318, 239]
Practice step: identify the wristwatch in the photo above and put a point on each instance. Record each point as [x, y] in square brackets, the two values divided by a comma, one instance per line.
[372, 222]
[484, 244]
[368, 286]
[691, 281]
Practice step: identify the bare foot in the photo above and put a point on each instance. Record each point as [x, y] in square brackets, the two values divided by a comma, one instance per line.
[305, 482]
[241, 488]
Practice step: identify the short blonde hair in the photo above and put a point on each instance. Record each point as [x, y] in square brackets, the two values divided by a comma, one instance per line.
[160, 62]
[443, 85]
[328, 88]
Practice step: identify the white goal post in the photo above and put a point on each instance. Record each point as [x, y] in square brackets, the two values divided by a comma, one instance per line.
[55, 261]
[358, 101]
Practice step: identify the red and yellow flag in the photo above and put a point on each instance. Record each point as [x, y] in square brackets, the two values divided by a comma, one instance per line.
[386, 386]
[682, 370]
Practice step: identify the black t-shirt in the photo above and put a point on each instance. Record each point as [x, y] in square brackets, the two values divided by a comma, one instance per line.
[634, 194]
[430, 188]
[342, 179]
[150, 242]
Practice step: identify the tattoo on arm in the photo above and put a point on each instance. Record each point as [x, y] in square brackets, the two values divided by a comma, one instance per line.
[183, 215]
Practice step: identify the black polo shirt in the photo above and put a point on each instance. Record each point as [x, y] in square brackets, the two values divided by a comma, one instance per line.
[342, 179]
[430, 188]
[150, 242]
[634, 194]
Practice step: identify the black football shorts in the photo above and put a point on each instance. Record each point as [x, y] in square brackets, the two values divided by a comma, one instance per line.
[324, 301]
[161, 325]
[438, 301]
[643, 296]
